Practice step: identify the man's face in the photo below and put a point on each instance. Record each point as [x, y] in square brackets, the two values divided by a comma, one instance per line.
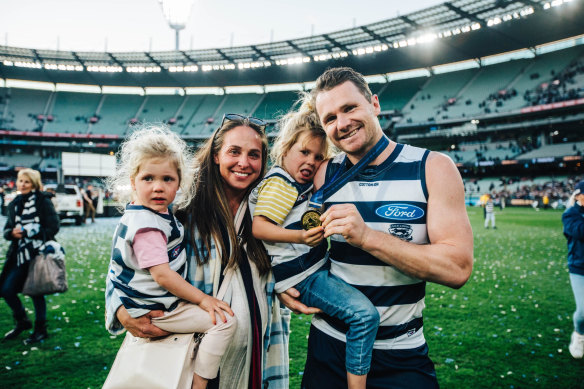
[349, 120]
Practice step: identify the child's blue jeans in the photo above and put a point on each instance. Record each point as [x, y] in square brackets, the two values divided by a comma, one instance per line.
[340, 300]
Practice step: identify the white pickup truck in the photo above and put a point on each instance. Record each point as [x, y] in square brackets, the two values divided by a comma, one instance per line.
[69, 202]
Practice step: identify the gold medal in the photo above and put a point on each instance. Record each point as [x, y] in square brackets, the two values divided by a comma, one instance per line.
[310, 219]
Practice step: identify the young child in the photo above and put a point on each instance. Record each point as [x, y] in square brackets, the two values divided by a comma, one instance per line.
[298, 257]
[148, 261]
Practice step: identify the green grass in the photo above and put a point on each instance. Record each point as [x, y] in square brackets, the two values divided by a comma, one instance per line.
[508, 327]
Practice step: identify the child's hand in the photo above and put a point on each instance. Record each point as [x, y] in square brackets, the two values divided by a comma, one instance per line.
[313, 236]
[213, 305]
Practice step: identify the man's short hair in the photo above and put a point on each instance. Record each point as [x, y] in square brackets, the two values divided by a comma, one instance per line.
[333, 77]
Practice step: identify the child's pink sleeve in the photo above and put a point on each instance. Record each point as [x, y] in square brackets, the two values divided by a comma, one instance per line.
[150, 248]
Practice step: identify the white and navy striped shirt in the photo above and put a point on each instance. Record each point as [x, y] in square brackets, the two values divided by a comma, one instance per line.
[135, 287]
[291, 262]
[391, 197]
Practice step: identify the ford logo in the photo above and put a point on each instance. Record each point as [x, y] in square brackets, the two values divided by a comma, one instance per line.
[400, 212]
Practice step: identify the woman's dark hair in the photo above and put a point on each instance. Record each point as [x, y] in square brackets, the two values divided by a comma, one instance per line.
[209, 213]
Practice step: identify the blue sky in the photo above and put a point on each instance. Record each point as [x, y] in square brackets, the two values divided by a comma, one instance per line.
[139, 25]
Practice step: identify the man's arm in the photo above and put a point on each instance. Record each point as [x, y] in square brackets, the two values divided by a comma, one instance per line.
[448, 259]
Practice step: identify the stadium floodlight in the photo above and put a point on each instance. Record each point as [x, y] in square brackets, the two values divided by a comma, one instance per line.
[177, 13]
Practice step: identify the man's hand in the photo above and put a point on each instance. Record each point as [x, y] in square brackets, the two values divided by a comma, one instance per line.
[290, 299]
[142, 326]
[345, 220]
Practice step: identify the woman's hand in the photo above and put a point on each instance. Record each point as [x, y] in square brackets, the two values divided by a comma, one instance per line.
[290, 299]
[142, 326]
[17, 233]
[215, 306]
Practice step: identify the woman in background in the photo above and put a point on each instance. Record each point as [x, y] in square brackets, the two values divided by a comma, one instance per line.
[573, 220]
[31, 221]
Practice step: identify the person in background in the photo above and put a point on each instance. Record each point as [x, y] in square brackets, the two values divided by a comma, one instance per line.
[88, 203]
[490, 212]
[31, 221]
[224, 257]
[2, 201]
[573, 221]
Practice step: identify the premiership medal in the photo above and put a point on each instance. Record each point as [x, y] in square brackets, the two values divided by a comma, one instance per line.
[310, 219]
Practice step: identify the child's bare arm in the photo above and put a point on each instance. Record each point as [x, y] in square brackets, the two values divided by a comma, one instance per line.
[178, 286]
[265, 229]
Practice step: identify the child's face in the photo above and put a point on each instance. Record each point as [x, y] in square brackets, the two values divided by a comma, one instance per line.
[304, 158]
[156, 184]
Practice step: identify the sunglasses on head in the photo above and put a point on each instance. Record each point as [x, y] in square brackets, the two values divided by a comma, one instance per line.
[229, 117]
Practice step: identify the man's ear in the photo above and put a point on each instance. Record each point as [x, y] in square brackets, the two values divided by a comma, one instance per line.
[376, 105]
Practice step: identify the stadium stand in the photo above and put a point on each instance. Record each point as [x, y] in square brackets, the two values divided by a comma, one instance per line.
[115, 112]
[160, 108]
[25, 108]
[561, 149]
[71, 112]
[275, 104]
[200, 120]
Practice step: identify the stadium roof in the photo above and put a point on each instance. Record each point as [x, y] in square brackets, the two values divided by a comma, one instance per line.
[454, 31]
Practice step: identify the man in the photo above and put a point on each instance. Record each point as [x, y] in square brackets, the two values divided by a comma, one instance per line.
[397, 223]
[88, 203]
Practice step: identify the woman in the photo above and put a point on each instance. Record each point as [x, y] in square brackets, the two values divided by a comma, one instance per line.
[224, 256]
[573, 220]
[32, 220]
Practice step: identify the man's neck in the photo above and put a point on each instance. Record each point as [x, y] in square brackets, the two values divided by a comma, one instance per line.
[354, 159]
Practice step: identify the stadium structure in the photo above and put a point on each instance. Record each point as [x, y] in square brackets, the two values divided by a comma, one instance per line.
[496, 84]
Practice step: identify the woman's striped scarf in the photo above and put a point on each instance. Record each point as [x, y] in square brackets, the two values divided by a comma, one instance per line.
[27, 217]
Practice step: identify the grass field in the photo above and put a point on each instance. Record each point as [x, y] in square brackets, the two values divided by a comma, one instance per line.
[508, 327]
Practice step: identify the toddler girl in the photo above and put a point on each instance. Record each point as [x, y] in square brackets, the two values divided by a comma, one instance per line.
[298, 257]
[148, 260]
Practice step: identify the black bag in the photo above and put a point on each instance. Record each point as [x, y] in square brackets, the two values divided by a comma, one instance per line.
[46, 272]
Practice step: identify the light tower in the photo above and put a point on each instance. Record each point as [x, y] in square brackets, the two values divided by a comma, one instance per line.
[177, 13]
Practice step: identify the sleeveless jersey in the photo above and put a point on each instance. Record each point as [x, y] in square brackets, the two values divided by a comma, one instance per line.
[391, 197]
[135, 287]
[291, 262]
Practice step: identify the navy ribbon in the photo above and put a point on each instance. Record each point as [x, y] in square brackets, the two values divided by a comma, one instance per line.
[335, 183]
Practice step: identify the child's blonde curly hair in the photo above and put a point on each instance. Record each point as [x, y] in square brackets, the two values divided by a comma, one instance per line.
[152, 141]
[294, 124]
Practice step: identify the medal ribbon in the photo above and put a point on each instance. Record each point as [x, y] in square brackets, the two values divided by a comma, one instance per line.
[335, 183]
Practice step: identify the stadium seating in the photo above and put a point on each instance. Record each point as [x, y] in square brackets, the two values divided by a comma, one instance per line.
[158, 109]
[71, 112]
[396, 94]
[555, 150]
[432, 101]
[275, 104]
[115, 113]
[23, 108]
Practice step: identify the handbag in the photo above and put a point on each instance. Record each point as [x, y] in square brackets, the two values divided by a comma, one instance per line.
[46, 272]
[160, 363]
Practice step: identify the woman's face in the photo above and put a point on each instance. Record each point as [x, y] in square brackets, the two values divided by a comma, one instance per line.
[24, 184]
[239, 159]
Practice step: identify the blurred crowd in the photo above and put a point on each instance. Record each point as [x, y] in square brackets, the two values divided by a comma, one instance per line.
[544, 194]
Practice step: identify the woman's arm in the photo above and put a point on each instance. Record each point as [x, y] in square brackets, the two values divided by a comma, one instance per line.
[49, 219]
[9, 226]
